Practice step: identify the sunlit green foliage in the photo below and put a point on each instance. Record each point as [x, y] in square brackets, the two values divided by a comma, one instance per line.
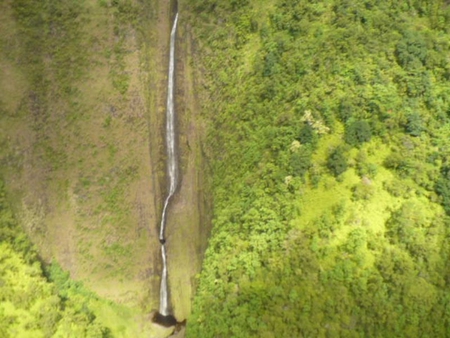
[329, 127]
[34, 302]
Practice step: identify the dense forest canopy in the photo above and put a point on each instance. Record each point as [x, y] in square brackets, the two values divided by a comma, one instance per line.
[329, 129]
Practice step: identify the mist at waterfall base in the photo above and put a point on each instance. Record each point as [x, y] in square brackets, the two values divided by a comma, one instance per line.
[163, 317]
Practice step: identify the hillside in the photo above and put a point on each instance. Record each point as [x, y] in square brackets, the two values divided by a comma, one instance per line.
[73, 106]
[329, 132]
[82, 158]
[314, 137]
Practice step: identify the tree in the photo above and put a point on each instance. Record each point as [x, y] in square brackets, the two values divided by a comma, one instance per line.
[337, 162]
[414, 124]
[301, 161]
[307, 135]
[358, 132]
[443, 188]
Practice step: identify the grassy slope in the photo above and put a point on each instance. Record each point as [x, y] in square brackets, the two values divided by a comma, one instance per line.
[78, 106]
[83, 105]
[46, 303]
[76, 151]
[297, 250]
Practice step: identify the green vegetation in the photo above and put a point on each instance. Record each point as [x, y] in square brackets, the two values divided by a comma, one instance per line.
[73, 102]
[443, 188]
[75, 106]
[337, 161]
[329, 144]
[329, 134]
[37, 302]
[358, 132]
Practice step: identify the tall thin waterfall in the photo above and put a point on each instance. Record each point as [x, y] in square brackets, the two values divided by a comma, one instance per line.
[172, 169]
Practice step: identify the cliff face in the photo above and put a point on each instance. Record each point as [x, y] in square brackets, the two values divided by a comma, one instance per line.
[189, 220]
[82, 106]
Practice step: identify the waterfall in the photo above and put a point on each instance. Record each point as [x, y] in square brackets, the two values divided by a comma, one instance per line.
[172, 169]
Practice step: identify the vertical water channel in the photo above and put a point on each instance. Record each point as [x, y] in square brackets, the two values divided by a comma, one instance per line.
[172, 169]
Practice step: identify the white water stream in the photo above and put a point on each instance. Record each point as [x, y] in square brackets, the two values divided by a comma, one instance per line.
[172, 169]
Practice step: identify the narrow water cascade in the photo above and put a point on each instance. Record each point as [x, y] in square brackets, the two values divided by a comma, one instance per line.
[172, 170]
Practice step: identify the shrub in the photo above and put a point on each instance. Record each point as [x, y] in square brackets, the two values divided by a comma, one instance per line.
[363, 190]
[414, 125]
[443, 188]
[357, 133]
[307, 135]
[411, 51]
[346, 110]
[301, 161]
[337, 162]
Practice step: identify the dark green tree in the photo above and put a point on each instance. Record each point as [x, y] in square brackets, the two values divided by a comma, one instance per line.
[301, 161]
[414, 124]
[358, 132]
[337, 161]
[412, 50]
[307, 135]
[443, 188]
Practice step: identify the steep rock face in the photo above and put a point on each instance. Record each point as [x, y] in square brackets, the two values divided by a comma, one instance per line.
[188, 224]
